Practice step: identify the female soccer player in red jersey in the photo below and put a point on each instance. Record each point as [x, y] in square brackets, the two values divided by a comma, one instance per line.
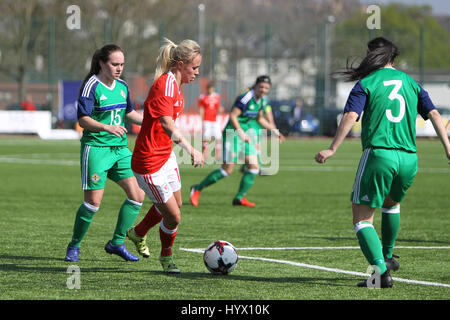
[153, 161]
[209, 103]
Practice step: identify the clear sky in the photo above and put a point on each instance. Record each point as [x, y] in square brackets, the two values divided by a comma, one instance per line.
[441, 7]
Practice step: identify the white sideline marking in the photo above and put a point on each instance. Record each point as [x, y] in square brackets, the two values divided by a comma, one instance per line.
[310, 266]
[40, 161]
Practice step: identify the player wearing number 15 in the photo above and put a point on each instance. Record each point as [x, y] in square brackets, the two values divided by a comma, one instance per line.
[390, 100]
[103, 104]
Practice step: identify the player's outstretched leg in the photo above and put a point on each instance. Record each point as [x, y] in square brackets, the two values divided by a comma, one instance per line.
[210, 179]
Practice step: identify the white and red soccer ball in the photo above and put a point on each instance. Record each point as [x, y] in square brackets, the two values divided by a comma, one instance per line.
[220, 257]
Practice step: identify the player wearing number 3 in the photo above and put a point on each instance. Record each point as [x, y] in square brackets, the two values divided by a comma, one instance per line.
[103, 103]
[390, 100]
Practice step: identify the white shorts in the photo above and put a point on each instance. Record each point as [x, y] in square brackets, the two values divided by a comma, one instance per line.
[211, 130]
[161, 185]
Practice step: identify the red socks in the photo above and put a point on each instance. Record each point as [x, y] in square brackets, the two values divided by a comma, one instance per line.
[167, 237]
[152, 218]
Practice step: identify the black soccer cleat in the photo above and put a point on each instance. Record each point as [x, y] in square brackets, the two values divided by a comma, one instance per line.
[391, 263]
[385, 281]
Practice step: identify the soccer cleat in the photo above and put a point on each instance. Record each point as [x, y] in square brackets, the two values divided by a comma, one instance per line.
[195, 194]
[385, 281]
[168, 264]
[139, 242]
[391, 263]
[72, 254]
[242, 202]
[121, 251]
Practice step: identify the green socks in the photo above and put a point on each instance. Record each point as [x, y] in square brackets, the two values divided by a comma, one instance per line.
[373, 249]
[390, 224]
[83, 220]
[127, 215]
[370, 245]
[213, 177]
[247, 181]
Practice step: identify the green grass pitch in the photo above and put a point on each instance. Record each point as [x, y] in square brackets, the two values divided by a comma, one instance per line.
[304, 211]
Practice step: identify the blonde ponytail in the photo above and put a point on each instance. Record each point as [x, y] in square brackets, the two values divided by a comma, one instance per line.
[170, 53]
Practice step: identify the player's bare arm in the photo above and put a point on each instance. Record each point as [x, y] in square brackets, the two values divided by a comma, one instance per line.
[438, 125]
[262, 120]
[90, 124]
[135, 117]
[175, 135]
[234, 114]
[347, 122]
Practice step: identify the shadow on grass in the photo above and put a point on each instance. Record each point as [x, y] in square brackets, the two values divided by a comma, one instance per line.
[325, 281]
[12, 267]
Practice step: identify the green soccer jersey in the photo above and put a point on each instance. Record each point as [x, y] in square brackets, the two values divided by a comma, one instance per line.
[250, 108]
[107, 105]
[390, 100]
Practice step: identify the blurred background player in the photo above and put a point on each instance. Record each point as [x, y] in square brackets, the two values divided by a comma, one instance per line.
[103, 104]
[153, 162]
[268, 115]
[240, 136]
[209, 104]
[28, 104]
[389, 162]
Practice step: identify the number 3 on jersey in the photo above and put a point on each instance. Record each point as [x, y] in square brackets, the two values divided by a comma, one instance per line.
[394, 95]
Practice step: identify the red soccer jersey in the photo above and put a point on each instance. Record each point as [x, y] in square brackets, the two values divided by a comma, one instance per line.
[153, 146]
[210, 103]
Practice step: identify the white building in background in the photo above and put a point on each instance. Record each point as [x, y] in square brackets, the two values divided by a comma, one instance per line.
[291, 78]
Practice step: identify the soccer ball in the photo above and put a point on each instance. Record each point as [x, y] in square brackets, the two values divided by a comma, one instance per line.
[220, 257]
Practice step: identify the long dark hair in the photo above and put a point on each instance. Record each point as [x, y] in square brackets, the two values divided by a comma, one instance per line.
[380, 52]
[100, 55]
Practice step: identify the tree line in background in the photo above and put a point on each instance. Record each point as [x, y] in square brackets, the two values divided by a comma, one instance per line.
[37, 45]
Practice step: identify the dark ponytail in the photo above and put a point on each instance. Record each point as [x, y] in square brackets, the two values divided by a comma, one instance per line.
[380, 52]
[100, 55]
